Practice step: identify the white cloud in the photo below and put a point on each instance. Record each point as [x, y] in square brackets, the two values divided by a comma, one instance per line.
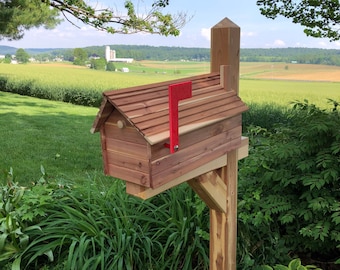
[248, 34]
[205, 32]
[279, 43]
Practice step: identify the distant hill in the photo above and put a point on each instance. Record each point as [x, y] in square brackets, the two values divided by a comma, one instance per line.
[163, 53]
[7, 50]
[32, 51]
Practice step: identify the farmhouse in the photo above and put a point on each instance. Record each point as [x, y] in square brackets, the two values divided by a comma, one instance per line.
[110, 56]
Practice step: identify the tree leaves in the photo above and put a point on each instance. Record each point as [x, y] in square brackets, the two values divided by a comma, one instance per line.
[320, 18]
[16, 16]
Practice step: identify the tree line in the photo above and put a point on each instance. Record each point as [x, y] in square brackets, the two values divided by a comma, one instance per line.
[163, 53]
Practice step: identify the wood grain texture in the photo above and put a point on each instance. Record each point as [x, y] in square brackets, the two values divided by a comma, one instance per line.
[145, 193]
[146, 107]
[211, 189]
[225, 50]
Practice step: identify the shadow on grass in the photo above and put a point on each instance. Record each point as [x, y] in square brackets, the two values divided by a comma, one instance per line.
[59, 141]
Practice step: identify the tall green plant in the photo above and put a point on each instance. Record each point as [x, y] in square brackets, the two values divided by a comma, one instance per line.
[20, 210]
[93, 227]
[289, 187]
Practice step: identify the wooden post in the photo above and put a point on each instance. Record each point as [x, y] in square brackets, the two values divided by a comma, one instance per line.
[225, 50]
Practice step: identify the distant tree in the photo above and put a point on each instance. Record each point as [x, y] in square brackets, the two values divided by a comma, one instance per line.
[22, 56]
[98, 64]
[80, 57]
[16, 16]
[320, 18]
[8, 59]
[110, 67]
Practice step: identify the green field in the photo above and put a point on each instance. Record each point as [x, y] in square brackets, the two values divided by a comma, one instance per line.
[260, 82]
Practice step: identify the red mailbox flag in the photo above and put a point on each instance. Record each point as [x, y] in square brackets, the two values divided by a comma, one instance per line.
[177, 92]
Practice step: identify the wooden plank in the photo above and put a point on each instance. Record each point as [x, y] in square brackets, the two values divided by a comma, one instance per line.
[128, 161]
[128, 134]
[155, 134]
[105, 110]
[133, 176]
[225, 76]
[225, 50]
[187, 113]
[243, 150]
[162, 110]
[128, 148]
[204, 132]
[229, 174]
[186, 165]
[218, 113]
[146, 193]
[104, 152]
[187, 129]
[201, 148]
[217, 244]
[138, 93]
[211, 189]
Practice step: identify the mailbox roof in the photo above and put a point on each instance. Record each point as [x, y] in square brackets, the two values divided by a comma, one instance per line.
[147, 108]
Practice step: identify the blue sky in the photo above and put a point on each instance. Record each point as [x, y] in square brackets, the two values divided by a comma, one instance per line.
[256, 30]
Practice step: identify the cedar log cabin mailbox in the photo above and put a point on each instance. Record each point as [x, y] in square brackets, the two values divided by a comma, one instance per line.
[158, 136]
[154, 134]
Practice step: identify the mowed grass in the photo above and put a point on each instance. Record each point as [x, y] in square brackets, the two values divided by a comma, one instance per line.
[56, 135]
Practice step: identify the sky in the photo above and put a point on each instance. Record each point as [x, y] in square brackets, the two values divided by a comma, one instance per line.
[256, 30]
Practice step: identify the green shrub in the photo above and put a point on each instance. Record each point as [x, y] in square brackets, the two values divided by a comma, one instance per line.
[110, 66]
[72, 94]
[95, 227]
[293, 265]
[289, 186]
[20, 210]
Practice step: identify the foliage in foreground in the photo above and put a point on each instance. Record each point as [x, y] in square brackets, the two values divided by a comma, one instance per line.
[290, 188]
[94, 228]
[286, 209]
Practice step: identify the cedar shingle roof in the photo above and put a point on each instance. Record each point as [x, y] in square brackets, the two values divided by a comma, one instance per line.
[146, 107]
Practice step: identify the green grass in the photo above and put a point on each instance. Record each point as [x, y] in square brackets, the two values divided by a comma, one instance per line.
[56, 135]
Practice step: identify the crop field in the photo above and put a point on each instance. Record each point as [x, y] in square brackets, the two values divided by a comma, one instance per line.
[284, 71]
[277, 83]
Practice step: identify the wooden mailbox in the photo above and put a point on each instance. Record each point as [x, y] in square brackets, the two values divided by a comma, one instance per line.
[189, 130]
[134, 127]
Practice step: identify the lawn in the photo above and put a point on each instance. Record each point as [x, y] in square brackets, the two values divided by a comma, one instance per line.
[56, 135]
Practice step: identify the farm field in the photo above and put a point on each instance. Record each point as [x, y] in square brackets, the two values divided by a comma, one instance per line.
[289, 71]
[278, 83]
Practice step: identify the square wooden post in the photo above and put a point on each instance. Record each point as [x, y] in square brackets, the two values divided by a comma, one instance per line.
[225, 50]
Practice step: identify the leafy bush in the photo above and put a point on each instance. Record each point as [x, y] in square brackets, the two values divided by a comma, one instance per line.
[93, 227]
[289, 187]
[293, 265]
[110, 66]
[72, 94]
[20, 209]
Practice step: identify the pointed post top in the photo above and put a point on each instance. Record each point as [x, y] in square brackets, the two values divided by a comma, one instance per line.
[225, 49]
[226, 23]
